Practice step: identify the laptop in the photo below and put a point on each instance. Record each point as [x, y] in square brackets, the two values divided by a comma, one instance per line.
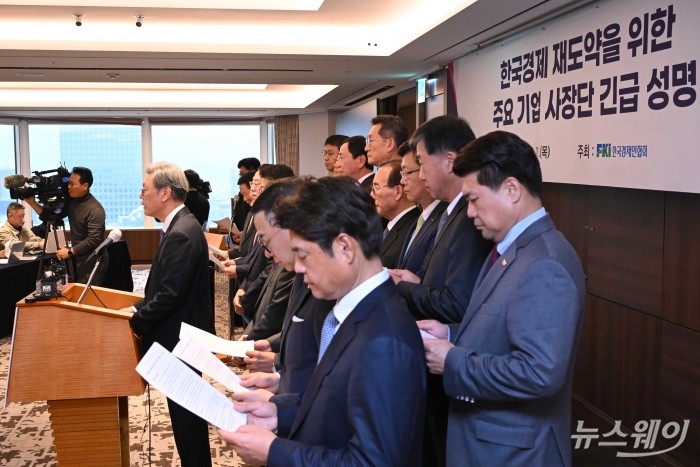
[14, 252]
[51, 246]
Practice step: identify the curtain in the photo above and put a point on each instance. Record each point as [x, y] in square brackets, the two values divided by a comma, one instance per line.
[287, 141]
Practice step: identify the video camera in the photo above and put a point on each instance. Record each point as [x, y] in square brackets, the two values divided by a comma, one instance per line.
[50, 187]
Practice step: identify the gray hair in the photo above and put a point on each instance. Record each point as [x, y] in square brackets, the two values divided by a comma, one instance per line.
[167, 174]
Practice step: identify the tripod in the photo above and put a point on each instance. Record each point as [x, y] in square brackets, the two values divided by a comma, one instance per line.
[52, 226]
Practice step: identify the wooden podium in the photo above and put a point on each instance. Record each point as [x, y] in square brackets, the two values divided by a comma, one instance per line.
[82, 359]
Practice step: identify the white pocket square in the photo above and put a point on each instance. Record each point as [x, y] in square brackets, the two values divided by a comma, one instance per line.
[296, 319]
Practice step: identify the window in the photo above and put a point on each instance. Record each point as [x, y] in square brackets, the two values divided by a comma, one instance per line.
[213, 151]
[112, 152]
[7, 165]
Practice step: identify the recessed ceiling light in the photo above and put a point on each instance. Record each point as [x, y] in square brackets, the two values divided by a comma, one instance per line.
[30, 75]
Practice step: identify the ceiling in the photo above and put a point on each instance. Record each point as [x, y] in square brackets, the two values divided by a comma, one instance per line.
[223, 60]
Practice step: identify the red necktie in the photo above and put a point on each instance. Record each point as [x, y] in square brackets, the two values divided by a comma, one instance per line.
[493, 257]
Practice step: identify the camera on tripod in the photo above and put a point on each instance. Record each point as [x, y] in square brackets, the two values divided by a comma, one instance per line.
[50, 187]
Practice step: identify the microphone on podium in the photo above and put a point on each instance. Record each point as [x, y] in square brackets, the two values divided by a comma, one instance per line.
[113, 236]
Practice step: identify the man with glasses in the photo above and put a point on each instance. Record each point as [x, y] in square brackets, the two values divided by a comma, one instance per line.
[352, 162]
[422, 232]
[387, 133]
[86, 217]
[330, 151]
[392, 204]
[453, 263]
[177, 292]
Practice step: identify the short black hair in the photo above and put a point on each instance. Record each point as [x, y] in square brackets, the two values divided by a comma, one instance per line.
[335, 140]
[85, 175]
[193, 178]
[250, 163]
[356, 146]
[443, 134]
[497, 156]
[270, 198]
[246, 178]
[275, 171]
[391, 126]
[394, 178]
[313, 213]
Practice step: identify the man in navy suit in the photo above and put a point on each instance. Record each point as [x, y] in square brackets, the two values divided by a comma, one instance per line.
[365, 399]
[422, 232]
[392, 204]
[177, 291]
[508, 366]
[453, 263]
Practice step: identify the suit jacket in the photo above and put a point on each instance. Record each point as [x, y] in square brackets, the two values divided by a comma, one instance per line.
[450, 270]
[366, 184]
[177, 289]
[394, 240]
[511, 372]
[298, 346]
[247, 237]
[271, 305]
[365, 400]
[413, 258]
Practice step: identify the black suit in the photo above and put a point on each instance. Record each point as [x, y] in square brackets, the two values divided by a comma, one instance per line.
[366, 184]
[364, 402]
[297, 345]
[177, 291]
[413, 258]
[271, 305]
[393, 242]
[450, 271]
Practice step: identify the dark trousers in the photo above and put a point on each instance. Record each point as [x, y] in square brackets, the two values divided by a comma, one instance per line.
[191, 436]
[435, 433]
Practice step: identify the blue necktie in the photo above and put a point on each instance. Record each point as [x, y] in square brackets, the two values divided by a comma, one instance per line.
[162, 235]
[441, 224]
[327, 332]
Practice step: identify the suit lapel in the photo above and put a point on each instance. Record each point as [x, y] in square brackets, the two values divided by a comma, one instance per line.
[487, 281]
[178, 215]
[343, 337]
[457, 211]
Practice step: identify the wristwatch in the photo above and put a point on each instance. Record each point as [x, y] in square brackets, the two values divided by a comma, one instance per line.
[70, 251]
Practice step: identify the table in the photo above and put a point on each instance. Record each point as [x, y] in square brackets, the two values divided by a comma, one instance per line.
[19, 280]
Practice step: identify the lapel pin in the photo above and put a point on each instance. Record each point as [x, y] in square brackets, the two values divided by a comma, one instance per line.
[504, 262]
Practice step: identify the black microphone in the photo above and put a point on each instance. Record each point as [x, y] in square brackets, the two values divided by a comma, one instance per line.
[114, 236]
[14, 181]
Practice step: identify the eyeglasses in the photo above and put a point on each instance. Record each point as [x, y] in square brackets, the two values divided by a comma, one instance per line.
[406, 173]
[376, 188]
[325, 153]
[370, 140]
[145, 189]
[264, 245]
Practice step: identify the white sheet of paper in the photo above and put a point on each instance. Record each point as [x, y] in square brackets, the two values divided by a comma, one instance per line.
[196, 355]
[178, 382]
[218, 251]
[426, 335]
[215, 260]
[216, 344]
[224, 223]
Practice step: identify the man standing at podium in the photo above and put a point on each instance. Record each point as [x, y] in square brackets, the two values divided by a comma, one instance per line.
[177, 291]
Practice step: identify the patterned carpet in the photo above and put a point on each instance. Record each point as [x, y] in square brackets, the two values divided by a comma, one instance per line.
[25, 432]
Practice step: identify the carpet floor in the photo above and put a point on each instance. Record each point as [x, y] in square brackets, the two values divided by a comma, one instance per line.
[26, 438]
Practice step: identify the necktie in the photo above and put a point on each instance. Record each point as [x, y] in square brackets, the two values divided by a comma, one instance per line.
[493, 257]
[385, 233]
[162, 235]
[441, 224]
[327, 332]
[419, 224]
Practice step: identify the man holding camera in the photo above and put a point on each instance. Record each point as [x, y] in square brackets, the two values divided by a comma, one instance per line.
[87, 225]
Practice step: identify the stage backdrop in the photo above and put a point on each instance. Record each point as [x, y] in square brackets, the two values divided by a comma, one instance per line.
[607, 95]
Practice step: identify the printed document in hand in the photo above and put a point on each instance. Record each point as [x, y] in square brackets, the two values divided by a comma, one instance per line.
[196, 355]
[215, 260]
[178, 382]
[216, 344]
[226, 224]
[217, 251]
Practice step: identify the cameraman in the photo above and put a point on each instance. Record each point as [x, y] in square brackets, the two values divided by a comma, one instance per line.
[87, 225]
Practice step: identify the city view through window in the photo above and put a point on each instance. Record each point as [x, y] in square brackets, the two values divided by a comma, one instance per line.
[114, 154]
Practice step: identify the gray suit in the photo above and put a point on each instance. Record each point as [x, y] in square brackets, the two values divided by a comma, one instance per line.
[510, 375]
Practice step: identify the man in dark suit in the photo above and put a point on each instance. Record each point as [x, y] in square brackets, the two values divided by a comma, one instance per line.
[454, 261]
[392, 204]
[508, 366]
[422, 232]
[352, 162]
[365, 397]
[177, 291]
